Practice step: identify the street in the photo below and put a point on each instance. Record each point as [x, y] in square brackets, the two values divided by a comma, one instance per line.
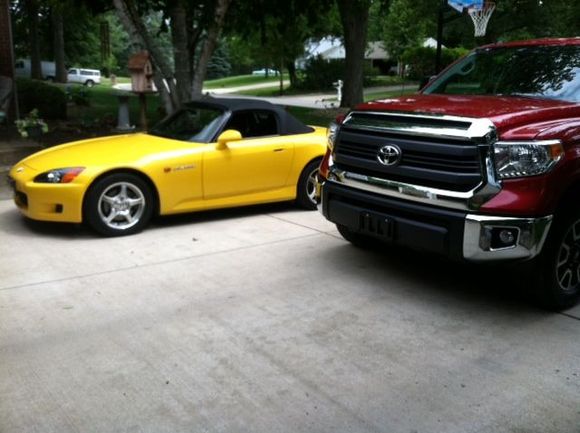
[264, 319]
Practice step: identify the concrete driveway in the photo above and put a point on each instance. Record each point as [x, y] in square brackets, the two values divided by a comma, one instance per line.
[264, 320]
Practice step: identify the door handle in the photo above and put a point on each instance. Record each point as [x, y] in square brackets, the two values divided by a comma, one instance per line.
[280, 149]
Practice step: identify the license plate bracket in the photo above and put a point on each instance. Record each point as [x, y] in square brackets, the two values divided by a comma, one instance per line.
[376, 225]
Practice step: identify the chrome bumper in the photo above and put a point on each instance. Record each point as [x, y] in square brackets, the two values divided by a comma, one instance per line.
[480, 232]
[530, 235]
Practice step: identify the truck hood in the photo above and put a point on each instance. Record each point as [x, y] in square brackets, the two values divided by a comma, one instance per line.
[506, 113]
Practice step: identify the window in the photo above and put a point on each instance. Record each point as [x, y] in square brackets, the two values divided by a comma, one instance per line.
[190, 124]
[254, 123]
[536, 71]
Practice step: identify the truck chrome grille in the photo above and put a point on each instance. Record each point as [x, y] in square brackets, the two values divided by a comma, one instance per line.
[438, 154]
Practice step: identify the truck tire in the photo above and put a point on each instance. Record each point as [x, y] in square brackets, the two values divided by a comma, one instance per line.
[89, 83]
[558, 274]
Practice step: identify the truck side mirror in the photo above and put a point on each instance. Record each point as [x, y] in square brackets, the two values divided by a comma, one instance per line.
[227, 136]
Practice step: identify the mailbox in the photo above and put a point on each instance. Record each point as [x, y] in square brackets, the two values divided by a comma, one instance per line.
[141, 71]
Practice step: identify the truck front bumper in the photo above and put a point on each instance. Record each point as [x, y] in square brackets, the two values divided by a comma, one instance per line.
[453, 233]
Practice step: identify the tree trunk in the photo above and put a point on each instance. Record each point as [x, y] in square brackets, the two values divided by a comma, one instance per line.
[354, 15]
[58, 29]
[209, 46]
[281, 75]
[291, 72]
[35, 65]
[181, 60]
[127, 13]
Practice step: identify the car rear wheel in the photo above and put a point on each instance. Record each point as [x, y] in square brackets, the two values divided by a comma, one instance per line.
[89, 83]
[119, 204]
[557, 278]
[306, 189]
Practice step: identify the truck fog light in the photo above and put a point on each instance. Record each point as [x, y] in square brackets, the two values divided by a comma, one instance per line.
[507, 237]
[502, 237]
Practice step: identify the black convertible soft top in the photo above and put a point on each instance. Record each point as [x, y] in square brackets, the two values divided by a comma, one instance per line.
[289, 125]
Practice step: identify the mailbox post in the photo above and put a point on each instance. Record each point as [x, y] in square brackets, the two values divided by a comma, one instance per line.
[141, 70]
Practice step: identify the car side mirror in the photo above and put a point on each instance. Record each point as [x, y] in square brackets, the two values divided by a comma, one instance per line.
[227, 136]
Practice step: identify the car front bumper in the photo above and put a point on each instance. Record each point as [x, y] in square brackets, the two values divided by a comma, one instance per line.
[45, 201]
[457, 234]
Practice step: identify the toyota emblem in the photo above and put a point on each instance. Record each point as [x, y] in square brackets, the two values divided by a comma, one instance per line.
[389, 155]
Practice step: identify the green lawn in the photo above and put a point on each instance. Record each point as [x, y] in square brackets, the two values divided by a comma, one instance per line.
[316, 116]
[239, 80]
[103, 106]
[267, 92]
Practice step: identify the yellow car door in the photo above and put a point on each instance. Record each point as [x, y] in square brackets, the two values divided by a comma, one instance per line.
[247, 166]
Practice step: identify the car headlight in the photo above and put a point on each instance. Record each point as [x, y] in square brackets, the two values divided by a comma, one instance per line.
[59, 175]
[519, 159]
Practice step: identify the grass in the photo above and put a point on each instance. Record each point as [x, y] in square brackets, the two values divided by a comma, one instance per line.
[266, 93]
[239, 80]
[103, 106]
[316, 116]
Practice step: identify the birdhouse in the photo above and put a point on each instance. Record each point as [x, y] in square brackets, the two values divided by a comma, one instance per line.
[141, 71]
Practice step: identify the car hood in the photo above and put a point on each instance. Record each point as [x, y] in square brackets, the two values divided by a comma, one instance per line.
[127, 150]
[505, 112]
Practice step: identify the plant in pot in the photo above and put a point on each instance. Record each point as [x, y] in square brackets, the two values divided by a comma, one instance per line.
[31, 126]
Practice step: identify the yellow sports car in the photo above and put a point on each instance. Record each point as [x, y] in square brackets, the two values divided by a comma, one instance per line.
[213, 153]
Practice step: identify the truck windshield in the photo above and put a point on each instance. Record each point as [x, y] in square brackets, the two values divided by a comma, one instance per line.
[551, 72]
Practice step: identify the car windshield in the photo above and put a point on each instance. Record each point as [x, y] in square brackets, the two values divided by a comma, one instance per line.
[551, 72]
[197, 124]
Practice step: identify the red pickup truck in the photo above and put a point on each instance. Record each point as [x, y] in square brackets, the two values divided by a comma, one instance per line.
[483, 164]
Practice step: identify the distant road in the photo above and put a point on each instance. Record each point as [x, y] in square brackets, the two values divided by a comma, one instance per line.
[313, 100]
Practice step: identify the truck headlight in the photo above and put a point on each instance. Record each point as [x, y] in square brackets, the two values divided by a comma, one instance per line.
[331, 134]
[519, 159]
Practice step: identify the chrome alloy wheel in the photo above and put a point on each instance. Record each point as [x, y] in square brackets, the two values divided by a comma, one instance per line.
[568, 260]
[311, 185]
[121, 205]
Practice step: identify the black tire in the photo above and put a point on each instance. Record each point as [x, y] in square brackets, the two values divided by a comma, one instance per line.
[557, 271]
[306, 189]
[89, 83]
[357, 239]
[118, 205]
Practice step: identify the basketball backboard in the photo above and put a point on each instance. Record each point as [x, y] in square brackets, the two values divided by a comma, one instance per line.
[461, 5]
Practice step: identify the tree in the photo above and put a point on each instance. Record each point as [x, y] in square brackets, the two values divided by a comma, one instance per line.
[405, 26]
[354, 15]
[58, 42]
[280, 32]
[190, 24]
[32, 13]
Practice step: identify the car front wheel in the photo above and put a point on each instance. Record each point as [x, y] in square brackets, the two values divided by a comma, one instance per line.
[118, 205]
[306, 189]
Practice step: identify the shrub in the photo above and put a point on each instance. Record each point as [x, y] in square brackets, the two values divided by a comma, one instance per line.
[320, 74]
[49, 100]
[421, 60]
